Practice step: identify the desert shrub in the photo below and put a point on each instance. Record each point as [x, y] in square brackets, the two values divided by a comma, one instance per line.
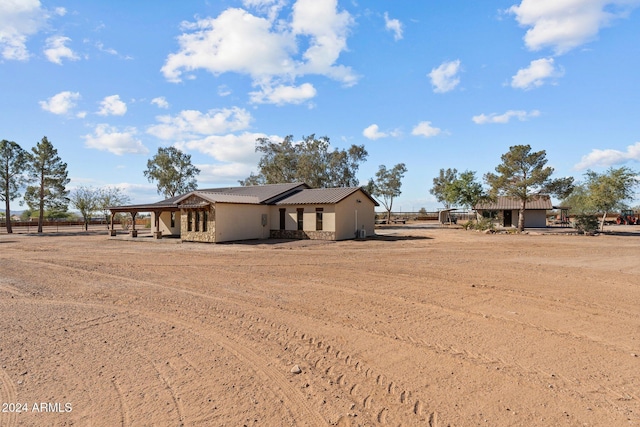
[586, 223]
[479, 224]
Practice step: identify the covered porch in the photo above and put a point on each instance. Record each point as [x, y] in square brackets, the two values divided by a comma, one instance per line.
[156, 210]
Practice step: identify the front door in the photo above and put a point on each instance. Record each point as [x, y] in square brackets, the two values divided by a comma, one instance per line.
[507, 219]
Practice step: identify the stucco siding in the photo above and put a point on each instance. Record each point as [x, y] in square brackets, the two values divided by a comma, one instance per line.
[241, 222]
[165, 223]
[352, 215]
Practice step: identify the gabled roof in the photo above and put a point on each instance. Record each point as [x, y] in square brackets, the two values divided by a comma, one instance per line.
[215, 197]
[264, 193]
[542, 201]
[269, 194]
[322, 196]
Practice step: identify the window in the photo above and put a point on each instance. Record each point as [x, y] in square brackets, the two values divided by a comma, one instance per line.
[300, 216]
[283, 218]
[319, 219]
[205, 218]
[173, 219]
[189, 219]
[197, 220]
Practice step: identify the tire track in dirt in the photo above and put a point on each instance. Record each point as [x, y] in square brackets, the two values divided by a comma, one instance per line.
[124, 407]
[338, 379]
[9, 395]
[295, 403]
[408, 339]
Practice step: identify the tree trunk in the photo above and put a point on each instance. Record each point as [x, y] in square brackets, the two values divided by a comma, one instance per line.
[8, 215]
[41, 203]
[604, 216]
[523, 205]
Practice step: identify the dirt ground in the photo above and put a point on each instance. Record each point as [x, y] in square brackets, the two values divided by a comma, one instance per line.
[419, 326]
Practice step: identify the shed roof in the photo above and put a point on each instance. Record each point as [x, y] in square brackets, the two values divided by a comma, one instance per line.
[542, 201]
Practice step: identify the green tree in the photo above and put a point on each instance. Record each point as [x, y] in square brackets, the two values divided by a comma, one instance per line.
[310, 160]
[26, 215]
[523, 175]
[609, 190]
[442, 187]
[13, 160]
[386, 186]
[110, 197]
[86, 200]
[49, 173]
[173, 172]
[466, 191]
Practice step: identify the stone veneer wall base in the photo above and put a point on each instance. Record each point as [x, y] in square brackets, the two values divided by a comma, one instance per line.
[302, 235]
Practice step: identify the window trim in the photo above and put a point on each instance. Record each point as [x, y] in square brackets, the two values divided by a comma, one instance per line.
[319, 219]
[300, 218]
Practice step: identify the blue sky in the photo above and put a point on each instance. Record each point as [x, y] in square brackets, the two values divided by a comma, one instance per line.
[433, 84]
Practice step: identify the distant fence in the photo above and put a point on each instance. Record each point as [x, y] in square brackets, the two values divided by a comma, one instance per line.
[427, 216]
[64, 226]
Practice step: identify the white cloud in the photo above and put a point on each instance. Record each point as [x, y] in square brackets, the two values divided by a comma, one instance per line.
[609, 157]
[505, 117]
[109, 138]
[224, 90]
[60, 11]
[264, 47]
[224, 172]
[393, 25]
[112, 106]
[100, 46]
[56, 50]
[228, 148]
[535, 75]
[19, 19]
[160, 102]
[281, 95]
[271, 8]
[60, 103]
[373, 132]
[566, 24]
[192, 124]
[445, 77]
[425, 129]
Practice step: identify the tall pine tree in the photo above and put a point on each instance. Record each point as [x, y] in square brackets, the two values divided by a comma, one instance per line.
[12, 163]
[48, 173]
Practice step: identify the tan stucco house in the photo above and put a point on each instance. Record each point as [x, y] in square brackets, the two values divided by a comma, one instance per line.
[508, 208]
[293, 211]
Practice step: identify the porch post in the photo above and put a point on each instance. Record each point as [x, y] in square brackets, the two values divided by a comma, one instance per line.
[134, 232]
[112, 231]
[157, 234]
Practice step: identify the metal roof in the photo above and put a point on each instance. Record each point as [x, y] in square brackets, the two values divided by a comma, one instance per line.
[264, 193]
[224, 197]
[280, 194]
[502, 203]
[321, 196]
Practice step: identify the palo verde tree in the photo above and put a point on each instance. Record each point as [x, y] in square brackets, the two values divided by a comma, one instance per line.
[13, 160]
[86, 200]
[109, 197]
[442, 187]
[386, 186]
[609, 190]
[48, 173]
[172, 171]
[523, 175]
[453, 189]
[311, 161]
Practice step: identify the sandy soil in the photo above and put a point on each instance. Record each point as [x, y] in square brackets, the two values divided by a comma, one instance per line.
[421, 326]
